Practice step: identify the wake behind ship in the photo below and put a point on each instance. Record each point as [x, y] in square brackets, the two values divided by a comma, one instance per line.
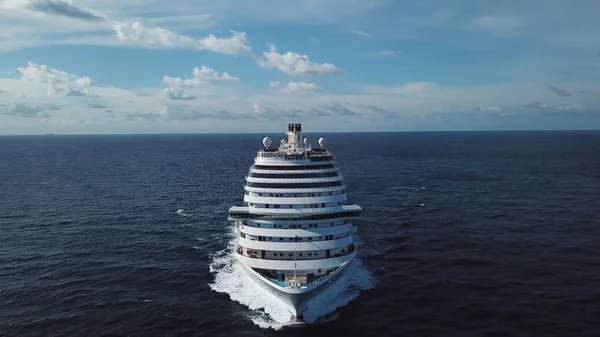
[294, 238]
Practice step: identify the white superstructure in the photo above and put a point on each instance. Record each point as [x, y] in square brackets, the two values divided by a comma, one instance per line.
[294, 237]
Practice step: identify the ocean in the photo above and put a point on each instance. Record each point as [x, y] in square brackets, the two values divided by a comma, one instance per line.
[462, 234]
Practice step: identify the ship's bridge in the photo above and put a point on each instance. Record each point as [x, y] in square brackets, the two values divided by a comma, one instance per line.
[294, 148]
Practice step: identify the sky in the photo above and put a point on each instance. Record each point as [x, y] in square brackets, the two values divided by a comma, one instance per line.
[193, 66]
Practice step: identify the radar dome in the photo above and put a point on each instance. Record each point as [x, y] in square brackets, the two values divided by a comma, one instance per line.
[267, 141]
[322, 142]
[305, 140]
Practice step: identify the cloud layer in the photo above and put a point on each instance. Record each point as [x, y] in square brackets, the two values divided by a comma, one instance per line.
[295, 64]
[179, 88]
[58, 82]
[388, 65]
[54, 7]
[137, 34]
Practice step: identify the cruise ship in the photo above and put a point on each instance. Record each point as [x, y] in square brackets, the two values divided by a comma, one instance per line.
[294, 237]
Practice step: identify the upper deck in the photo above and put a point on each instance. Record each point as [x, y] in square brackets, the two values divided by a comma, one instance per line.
[294, 150]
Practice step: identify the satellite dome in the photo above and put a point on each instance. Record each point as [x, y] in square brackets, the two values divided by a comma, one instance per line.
[322, 142]
[305, 140]
[267, 141]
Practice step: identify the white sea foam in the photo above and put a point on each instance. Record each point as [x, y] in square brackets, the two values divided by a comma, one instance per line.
[269, 312]
[183, 213]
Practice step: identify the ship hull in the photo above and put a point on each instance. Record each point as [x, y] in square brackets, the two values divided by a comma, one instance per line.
[295, 301]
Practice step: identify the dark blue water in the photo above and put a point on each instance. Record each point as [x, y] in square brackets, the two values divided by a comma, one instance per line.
[465, 234]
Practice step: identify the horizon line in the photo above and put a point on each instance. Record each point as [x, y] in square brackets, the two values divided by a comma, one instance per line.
[267, 132]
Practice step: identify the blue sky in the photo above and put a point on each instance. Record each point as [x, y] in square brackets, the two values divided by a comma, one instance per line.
[146, 66]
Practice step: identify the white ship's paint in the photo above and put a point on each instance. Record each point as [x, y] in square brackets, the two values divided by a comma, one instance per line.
[294, 238]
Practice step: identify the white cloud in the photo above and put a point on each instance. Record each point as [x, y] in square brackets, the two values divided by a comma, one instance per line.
[176, 87]
[183, 21]
[571, 107]
[360, 33]
[296, 87]
[243, 11]
[26, 110]
[202, 75]
[497, 22]
[489, 108]
[176, 94]
[206, 73]
[403, 106]
[536, 105]
[57, 81]
[388, 53]
[295, 64]
[137, 34]
[54, 7]
[412, 88]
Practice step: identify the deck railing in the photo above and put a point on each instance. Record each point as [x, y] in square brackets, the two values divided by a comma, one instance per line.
[299, 282]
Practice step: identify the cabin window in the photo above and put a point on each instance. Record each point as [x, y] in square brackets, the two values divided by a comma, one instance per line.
[309, 254]
[300, 254]
[291, 254]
